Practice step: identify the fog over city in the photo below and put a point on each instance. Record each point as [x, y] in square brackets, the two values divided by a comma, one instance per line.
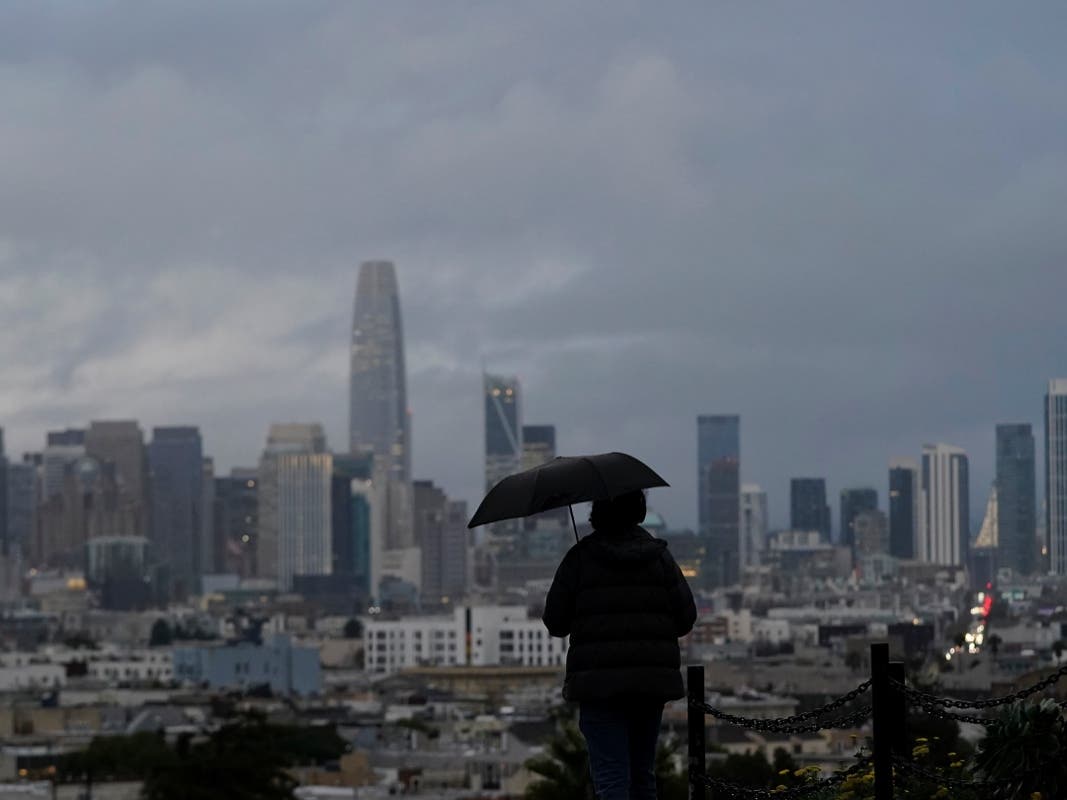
[843, 223]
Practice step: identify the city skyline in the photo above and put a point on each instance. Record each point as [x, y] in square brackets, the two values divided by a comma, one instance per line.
[567, 213]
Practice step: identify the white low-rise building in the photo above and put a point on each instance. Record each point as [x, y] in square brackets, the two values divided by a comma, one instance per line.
[475, 636]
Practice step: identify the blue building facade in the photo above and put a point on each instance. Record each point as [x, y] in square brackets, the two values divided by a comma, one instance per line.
[285, 667]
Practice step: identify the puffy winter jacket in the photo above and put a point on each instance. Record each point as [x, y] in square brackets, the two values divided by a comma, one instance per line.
[624, 602]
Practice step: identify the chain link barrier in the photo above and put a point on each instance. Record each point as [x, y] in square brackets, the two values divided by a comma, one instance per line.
[954, 783]
[730, 789]
[796, 723]
[951, 702]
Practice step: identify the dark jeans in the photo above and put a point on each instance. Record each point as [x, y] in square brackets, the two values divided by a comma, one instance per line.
[621, 737]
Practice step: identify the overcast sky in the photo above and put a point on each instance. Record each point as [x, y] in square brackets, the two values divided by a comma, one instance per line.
[846, 222]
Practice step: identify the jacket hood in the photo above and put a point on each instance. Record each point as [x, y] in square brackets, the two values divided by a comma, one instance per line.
[632, 546]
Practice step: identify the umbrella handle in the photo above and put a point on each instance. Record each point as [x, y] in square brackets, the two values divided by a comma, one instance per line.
[573, 523]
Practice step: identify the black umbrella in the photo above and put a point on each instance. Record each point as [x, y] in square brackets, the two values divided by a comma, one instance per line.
[562, 482]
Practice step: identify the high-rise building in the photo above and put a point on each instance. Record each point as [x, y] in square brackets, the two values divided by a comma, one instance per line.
[503, 428]
[904, 497]
[121, 443]
[1016, 498]
[854, 501]
[379, 421]
[236, 522]
[753, 524]
[441, 529]
[944, 536]
[1056, 475]
[351, 519]
[5, 544]
[719, 486]
[62, 448]
[808, 510]
[176, 467]
[538, 448]
[22, 501]
[871, 530]
[295, 505]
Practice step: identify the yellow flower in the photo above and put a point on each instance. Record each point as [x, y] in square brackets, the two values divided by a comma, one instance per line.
[783, 772]
[942, 792]
[922, 740]
[1036, 796]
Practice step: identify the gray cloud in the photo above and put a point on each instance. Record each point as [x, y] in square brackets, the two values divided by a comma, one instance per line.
[845, 225]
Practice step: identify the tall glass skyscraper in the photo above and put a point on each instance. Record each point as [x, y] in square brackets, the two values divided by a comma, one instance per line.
[719, 507]
[1016, 498]
[1056, 474]
[378, 414]
[503, 427]
[903, 507]
[175, 462]
[853, 503]
[808, 509]
[944, 536]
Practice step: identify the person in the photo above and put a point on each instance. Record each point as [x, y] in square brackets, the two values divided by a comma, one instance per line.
[622, 599]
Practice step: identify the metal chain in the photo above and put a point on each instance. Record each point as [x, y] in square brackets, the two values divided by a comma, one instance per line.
[737, 790]
[950, 702]
[794, 724]
[850, 720]
[936, 711]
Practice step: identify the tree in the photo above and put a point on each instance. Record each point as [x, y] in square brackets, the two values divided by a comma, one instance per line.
[1024, 748]
[353, 629]
[564, 769]
[161, 635]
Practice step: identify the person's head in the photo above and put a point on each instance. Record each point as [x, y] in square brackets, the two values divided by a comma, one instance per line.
[618, 513]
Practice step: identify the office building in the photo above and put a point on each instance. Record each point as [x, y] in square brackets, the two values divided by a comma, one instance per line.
[853, 502]
[538, 448]
[22, 501]
[808, 510]
[1016, 498]
[871, 534]
[62, 448]
[379, 420]
[121, 443]
[236, 522]
[295, 505]
[1056, 475]
[753, 524]
[5, 544]
[286, 668]
[904, 503]
[719, 504]
[503, 428]
[441, 530]
[944, 536]
[176, 466]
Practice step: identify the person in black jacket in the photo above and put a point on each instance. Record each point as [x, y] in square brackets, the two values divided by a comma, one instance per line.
[622, 599]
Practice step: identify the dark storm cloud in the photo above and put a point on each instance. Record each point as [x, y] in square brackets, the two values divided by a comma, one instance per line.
[845, 224]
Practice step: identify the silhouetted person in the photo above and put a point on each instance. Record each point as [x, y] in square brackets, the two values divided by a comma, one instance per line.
[622, 599]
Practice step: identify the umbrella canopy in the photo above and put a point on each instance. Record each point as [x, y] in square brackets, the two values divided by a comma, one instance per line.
[562, 482]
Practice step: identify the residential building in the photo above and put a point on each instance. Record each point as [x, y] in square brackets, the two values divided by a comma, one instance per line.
[1016, 498]
[379, 420]
[808, 510]
[288, 669]
[904, 502]
[944, 536]
[719, 502]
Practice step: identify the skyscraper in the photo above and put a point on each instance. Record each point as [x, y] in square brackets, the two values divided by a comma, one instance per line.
[236, 521]
[904, 496]
[295, 511]
[808, 510]
[1016, 498]
[503, 427]
[854, 501]
[441, 528]
[175, 459]
[753, 524]
[121, 443]
[62, 448]
[944, 535]
[1056, 475]
[378, 412]
[5, 545]
[22, 501]
[719, 487]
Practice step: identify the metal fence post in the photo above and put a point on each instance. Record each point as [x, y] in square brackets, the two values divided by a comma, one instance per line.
[698, 764]
[882, 713]
[899, 727]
